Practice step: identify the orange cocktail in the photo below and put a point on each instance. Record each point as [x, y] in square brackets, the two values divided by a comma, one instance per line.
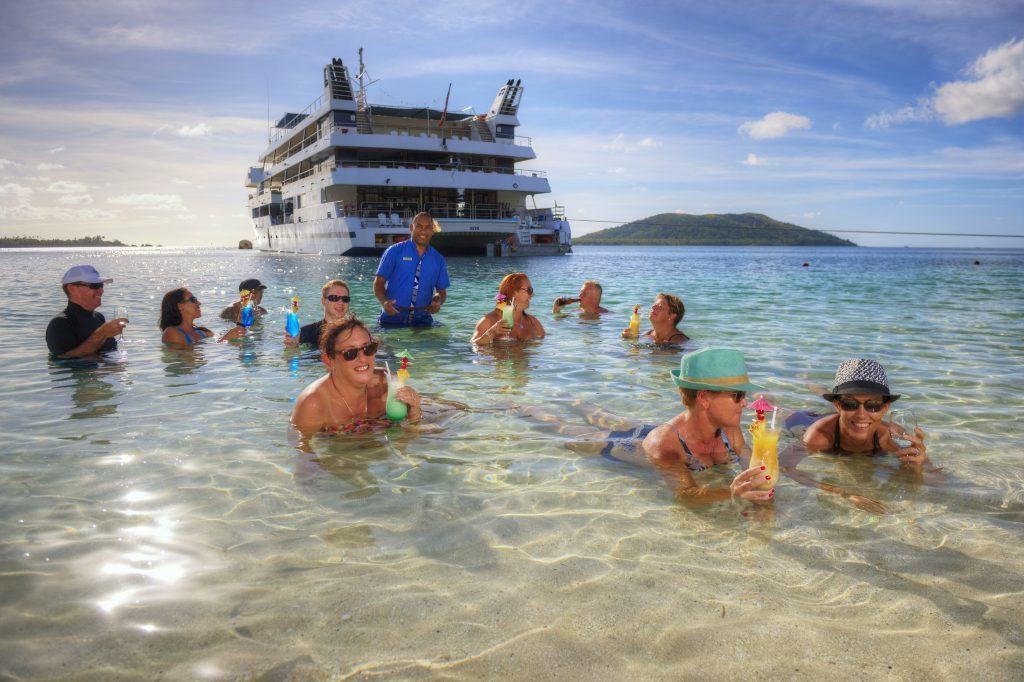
[765, 452]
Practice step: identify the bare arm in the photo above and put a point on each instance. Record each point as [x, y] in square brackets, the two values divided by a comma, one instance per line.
[796, 453]
[487, 330]
[380, 292]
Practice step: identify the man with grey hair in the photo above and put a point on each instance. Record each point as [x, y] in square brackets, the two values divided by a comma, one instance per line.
[589, 299]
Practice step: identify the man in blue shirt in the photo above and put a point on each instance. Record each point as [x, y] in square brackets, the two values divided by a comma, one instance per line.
[407, 276]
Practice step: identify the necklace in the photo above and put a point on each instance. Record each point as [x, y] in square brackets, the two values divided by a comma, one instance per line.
[366, 405]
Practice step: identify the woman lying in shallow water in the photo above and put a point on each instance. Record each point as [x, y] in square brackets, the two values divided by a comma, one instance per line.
[712, 384]
[352, 396]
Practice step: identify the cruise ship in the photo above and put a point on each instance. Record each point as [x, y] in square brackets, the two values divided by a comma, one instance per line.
[346, 177]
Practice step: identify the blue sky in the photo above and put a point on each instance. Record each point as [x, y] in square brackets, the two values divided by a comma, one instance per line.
[137, 120]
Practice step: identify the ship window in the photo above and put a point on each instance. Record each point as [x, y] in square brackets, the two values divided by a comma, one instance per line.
[298, 201]
[505, 131]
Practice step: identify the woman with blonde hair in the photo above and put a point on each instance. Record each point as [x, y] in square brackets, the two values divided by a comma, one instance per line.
[516, 291]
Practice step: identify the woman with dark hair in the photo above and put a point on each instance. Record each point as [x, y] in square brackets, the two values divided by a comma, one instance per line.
[515, 290]
[178, 312]
[861, 398]
[352, 395]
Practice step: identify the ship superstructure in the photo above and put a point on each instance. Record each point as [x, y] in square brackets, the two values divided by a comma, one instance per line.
[346, 177]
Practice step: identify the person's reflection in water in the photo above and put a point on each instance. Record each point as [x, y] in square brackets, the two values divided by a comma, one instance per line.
[179, 361]
[511, 363]
[92, 394]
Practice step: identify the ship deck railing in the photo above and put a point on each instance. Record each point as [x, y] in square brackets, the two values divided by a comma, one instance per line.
[416, 165]
[320, 132]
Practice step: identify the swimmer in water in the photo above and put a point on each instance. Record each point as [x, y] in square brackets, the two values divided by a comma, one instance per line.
[351, 397]
[666, 313]
[712, 384]
[179, 310]
[516, 289]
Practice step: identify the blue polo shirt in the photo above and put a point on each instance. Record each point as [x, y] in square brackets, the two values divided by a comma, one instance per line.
[398, 267]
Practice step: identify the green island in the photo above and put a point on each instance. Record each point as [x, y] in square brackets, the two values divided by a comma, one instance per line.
[713, 229]
[23, 242]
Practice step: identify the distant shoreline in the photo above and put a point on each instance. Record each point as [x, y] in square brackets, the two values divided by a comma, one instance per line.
[25, 242]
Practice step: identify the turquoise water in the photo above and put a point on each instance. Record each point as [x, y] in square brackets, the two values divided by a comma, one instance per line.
[158, 520]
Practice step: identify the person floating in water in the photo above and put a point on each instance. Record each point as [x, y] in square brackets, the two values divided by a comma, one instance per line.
[861, 397]
[666, 313]
[178, 311]
[589, 300]
[352, 396]
[79, 331]
[334, 297]
[408, 275]
[234, 311]
[712, 384]
[509, 321]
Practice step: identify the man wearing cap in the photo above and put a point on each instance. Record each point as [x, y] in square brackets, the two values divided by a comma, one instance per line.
[713, 384]
[407, 277]
[79, 331]
[234, 311]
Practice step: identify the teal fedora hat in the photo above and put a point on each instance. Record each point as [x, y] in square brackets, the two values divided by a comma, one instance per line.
[713, 369]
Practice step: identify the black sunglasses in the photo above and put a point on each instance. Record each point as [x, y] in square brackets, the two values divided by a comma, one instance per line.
[369, 350]
[851, 405]
[92, 285]
[334, 298]
[529, 290]
[191, 299]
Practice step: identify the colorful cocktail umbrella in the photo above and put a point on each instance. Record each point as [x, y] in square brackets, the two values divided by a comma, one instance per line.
[761, 406]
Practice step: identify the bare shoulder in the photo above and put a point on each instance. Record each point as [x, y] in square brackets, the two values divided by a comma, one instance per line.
[310, 407]
[662, 444]
[818, 435]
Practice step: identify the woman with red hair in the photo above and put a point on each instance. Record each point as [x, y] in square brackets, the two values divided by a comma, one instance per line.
[517, 291]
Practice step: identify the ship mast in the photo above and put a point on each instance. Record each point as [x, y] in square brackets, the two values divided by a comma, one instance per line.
[364, 121]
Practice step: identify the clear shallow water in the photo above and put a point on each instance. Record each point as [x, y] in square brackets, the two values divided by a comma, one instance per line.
[157, 520]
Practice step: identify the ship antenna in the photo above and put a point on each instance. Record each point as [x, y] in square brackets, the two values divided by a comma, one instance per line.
[268, 110]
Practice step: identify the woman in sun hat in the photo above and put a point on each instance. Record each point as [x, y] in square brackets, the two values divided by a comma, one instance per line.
[712, 384]
[861, 397]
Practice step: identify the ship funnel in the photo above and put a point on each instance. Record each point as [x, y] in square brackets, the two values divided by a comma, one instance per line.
[337, 82]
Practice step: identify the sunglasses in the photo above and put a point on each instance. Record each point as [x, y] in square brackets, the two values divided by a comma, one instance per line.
[737, 396]
[529, 290]
[369, 350]
[92, 285]
[334, 298]
[851, 405]
[191, 299]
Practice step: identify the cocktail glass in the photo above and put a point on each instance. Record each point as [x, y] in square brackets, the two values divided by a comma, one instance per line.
[766, 453]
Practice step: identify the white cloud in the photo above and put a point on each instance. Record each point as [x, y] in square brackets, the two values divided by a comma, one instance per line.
[811, 215]
[75, 199]
[44, 166]
[995, 89]
[773, 125]
[14, 190]
[150, 202]
[64, 187]
[912, 114]
[7, 162]
[198, 130]
[755, 160]
[620, 144]
[55, 150]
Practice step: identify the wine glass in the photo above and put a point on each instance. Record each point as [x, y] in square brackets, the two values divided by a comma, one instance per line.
[902, 422]
[121, 312]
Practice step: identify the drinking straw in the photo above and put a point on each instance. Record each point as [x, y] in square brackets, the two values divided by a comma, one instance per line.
[774, 412]
[388, 368]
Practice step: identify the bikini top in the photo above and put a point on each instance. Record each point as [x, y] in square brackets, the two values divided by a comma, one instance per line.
[838, 449]
[200, 335]
[695, 465]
